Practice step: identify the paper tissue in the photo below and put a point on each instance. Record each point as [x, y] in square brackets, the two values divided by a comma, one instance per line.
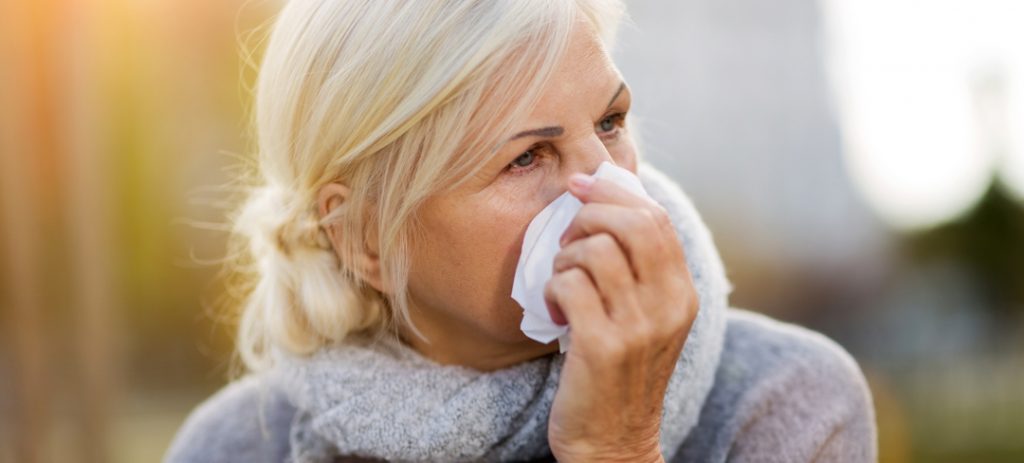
[537, 257]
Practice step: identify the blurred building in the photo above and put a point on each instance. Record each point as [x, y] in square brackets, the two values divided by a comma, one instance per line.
[732, 100]
[742, 102]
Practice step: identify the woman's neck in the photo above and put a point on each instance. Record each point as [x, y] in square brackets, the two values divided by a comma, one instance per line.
[455, 344]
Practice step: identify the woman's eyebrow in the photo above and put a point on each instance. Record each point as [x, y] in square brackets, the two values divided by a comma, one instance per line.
[555, 131]
[622, 86]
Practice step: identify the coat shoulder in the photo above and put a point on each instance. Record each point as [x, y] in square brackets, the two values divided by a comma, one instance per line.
[246, 420]
[783, 393]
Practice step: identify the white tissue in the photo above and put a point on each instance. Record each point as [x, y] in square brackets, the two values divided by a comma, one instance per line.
[537, 257]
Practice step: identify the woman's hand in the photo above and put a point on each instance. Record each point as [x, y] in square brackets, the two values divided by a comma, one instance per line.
[622, 284]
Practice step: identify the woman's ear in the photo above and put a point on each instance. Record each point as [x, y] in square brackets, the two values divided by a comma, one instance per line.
[331, 196]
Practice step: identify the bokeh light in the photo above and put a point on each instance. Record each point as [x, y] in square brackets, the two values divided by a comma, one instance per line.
[928, 96]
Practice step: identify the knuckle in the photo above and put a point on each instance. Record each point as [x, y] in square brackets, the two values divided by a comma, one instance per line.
[649, 216]
[601, 244]
[681, 318]
[558, 283]
[640, 219]
[657, 218]
[663, 215]
[562, 259]
[644, 331]
[660, 215]
[574, 277]
[586, 213]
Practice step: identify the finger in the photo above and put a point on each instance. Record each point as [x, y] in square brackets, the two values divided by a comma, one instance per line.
[649, 242]
[588, 189]
[605, 262]
[573, 294]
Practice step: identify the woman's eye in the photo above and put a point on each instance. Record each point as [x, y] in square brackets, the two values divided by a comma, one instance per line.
[525, 159]
[608, 124]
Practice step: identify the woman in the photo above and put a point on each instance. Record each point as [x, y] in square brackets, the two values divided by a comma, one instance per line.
[404, 147]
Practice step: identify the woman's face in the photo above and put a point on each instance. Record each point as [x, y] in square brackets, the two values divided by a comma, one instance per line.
[460, 281]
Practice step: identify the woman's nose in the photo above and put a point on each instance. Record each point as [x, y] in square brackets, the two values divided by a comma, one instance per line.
[588, 156]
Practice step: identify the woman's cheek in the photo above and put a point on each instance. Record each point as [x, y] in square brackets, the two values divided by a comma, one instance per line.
[520, 198]
[624, 153]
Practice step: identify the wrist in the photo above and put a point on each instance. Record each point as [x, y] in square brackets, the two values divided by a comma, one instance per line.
[652, 455]
[646, 454]
[644, 458]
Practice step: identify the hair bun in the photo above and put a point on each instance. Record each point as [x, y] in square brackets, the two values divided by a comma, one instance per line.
[277, 220]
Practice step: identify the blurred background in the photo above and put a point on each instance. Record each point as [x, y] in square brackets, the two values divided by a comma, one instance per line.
[859, 162]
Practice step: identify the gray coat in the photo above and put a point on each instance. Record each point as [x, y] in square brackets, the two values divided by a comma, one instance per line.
[781, 394]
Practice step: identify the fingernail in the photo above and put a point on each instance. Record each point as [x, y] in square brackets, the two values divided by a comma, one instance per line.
[581, 182]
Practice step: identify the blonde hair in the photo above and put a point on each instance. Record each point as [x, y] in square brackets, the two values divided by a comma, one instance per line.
[398, 100]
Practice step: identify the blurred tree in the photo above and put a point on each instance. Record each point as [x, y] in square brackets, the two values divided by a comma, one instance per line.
[989, 241]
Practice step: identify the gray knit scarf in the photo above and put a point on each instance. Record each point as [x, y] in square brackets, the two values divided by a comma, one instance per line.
[383, 400]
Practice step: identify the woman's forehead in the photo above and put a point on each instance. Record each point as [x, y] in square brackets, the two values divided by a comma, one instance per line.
[586, 71]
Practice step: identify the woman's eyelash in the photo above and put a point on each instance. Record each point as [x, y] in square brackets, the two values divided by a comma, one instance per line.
[617, 120]
[536, 152]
